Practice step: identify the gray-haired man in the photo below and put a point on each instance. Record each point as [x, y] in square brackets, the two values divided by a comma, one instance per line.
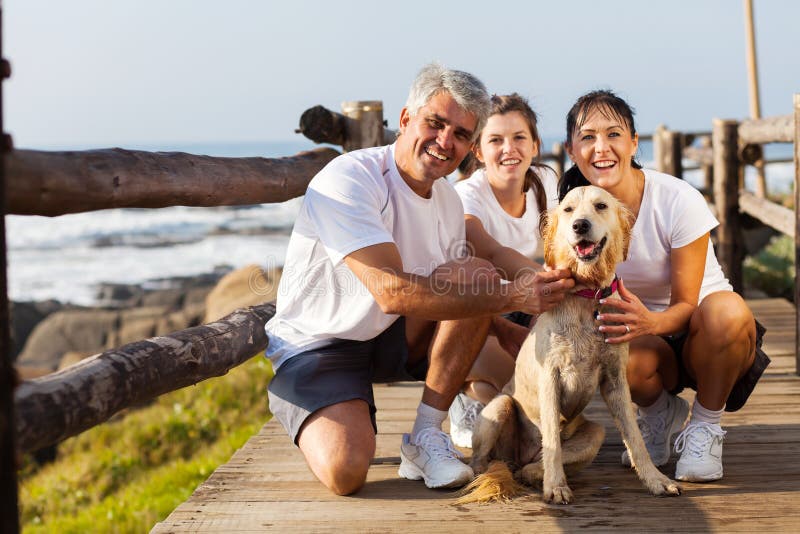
[377, 288]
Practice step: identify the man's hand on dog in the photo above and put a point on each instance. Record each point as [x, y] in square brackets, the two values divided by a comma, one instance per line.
[632, 320]
[541, 291]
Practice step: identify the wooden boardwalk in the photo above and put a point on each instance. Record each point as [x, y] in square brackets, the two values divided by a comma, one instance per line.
[267, 487]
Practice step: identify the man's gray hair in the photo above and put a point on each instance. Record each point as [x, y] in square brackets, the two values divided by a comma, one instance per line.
[467, 90]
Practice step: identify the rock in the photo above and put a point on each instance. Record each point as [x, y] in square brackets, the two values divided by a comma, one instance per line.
[83, 330]
[166, 298]
[243, 287]
[29, 372]
[110, 295]
[24, 318]
[191, 315]
[54, 337]
[135, 325]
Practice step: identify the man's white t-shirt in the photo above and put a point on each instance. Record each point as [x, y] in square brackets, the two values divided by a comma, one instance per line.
[672, 215]
[519, 233]
[358, 200]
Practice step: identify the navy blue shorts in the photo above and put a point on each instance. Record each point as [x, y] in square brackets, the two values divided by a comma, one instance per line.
[741, 389]
[338, 371]
[520, 318]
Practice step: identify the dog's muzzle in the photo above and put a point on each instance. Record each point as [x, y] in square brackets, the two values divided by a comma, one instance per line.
[589, 250]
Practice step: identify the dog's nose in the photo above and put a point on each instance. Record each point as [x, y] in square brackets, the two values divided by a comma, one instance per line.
[581, 226]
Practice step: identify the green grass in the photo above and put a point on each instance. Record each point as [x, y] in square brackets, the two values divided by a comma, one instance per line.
[772, 269]
[129, 473]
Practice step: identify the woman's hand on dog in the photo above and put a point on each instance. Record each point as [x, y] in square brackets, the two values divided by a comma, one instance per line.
[632, 320]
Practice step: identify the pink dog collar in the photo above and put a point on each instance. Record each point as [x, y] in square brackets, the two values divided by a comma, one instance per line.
[597, 294]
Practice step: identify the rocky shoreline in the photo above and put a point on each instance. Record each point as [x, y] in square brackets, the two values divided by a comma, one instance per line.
[49, 336]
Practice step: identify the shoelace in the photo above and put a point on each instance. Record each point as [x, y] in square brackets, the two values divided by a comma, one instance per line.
[697, 437]
[651, 426]
[437, 443]
[471, 413]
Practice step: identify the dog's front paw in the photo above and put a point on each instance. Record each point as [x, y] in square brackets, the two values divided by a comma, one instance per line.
[662, 485]
[558, 494]
[479, 465]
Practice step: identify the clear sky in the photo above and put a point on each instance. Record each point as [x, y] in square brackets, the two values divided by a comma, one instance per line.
[98, 73]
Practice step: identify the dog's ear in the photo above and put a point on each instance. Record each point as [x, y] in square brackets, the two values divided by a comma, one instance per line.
[548, 225]
[626, 221]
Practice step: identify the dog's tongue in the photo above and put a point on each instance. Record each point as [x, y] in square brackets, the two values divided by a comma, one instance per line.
[585, 248]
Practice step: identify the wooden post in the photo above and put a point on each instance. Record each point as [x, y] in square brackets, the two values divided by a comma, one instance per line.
[724, 141]
[797, 225]
[668, 151]
[559, 159]
[364, 127]
[9, 514]
[658, 148]
[752, 77]
[707, 169]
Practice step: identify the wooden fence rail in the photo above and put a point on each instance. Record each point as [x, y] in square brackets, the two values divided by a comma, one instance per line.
[62, 404]
[767, 130]
[56, 183]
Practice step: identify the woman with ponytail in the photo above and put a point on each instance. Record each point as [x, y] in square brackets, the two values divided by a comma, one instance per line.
[503, 200]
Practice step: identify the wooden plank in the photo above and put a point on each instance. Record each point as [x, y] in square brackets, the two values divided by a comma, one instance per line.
[769, 213]
[266, 485]
[778, 129]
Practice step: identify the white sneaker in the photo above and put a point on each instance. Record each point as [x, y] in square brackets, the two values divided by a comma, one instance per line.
[433, 458]
[657, 430]
[700, 445]
[463, 415]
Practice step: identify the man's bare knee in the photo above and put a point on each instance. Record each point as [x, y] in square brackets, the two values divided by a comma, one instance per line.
[338, 442]
[347, 472]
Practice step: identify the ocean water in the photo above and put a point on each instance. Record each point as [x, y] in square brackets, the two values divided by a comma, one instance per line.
[67, 257]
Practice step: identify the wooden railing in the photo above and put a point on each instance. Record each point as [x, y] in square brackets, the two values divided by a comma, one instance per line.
[722, 156]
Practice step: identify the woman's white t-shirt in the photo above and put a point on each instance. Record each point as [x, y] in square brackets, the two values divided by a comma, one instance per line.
[519, 233]
[672, 215]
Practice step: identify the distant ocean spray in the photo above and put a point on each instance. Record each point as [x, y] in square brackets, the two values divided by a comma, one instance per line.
[67, 257]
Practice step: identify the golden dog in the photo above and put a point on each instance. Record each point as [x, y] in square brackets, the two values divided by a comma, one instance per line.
[536, 421]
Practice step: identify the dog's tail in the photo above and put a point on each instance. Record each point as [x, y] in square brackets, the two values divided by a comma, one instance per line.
[496, 484]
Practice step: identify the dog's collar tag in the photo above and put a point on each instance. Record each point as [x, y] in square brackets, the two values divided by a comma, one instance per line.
[600, 293]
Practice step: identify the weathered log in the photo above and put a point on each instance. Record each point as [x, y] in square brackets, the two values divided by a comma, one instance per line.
[769, 213]
[63, 404]
[55, 183]
[322, 125]
[796, 127]
[9, 513]
[559, 158]
[767, 130]
[364, 125]
[730, 250]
